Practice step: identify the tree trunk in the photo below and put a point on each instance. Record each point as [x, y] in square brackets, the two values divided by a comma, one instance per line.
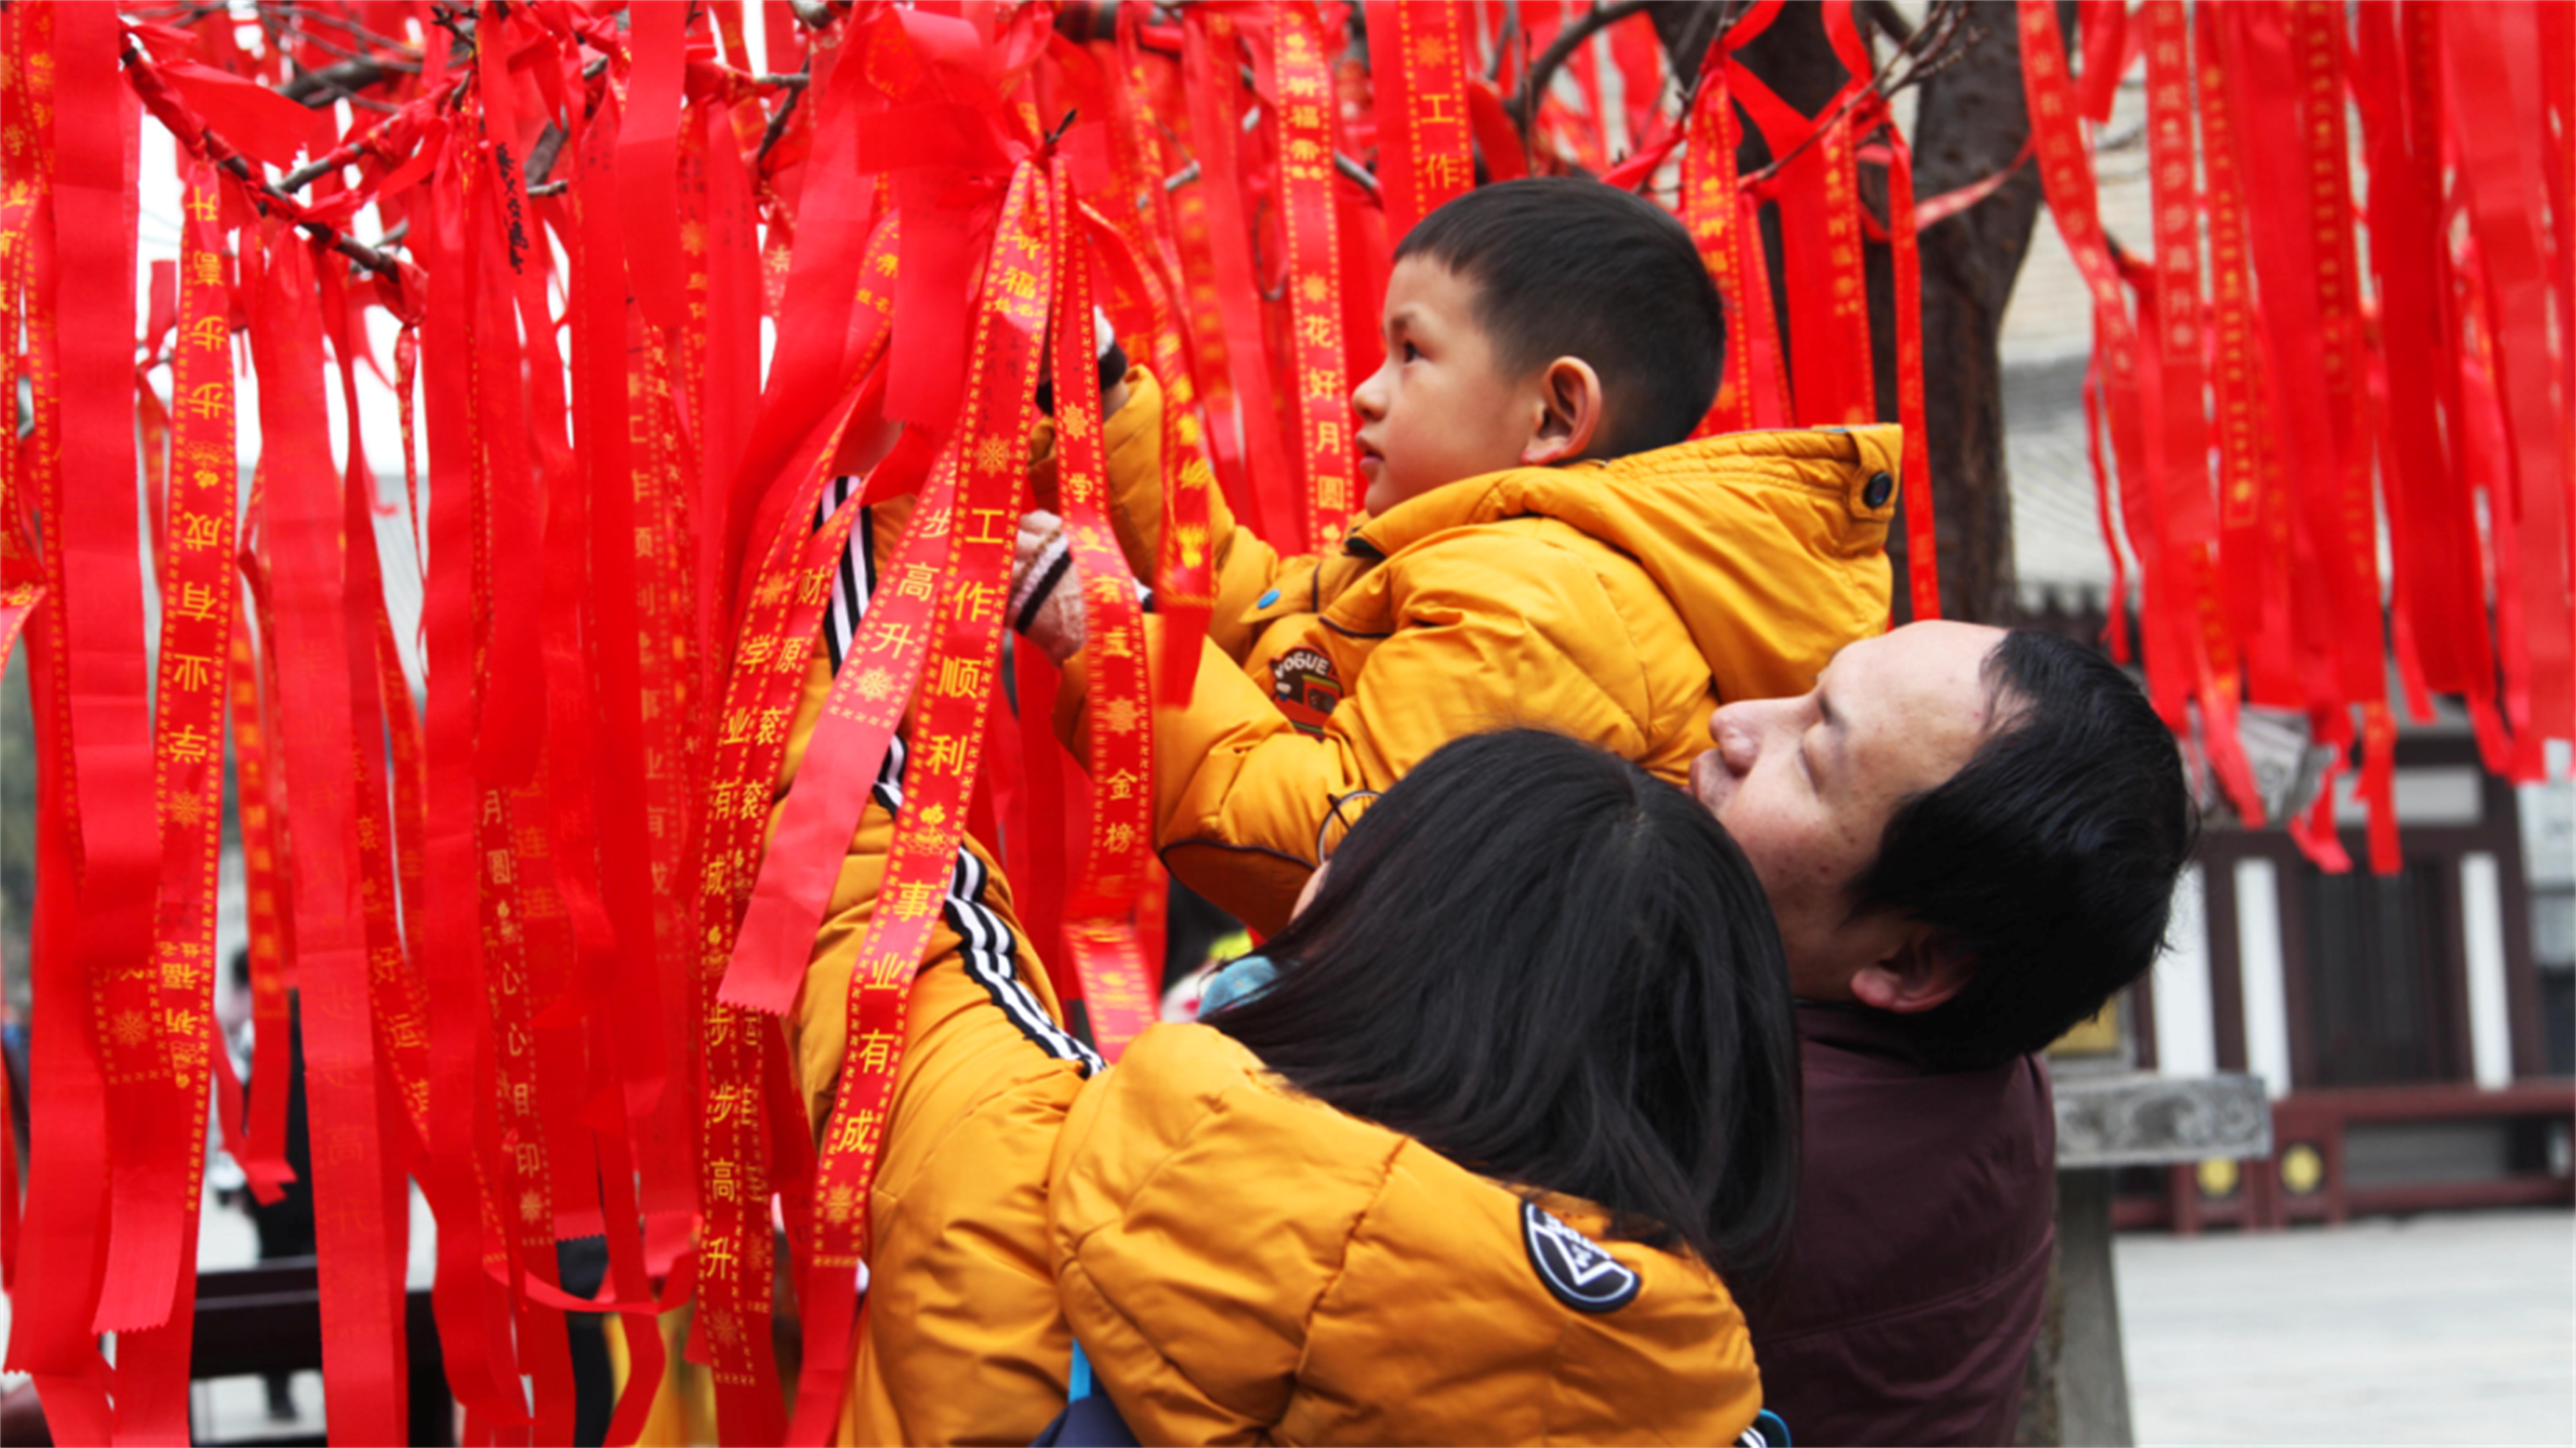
[1970, 124]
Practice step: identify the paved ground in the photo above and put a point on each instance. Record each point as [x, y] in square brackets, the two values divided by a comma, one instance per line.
[2442, 1329]
[2450, 1329]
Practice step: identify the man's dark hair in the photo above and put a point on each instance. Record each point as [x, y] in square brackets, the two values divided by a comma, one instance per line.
[1557, 971]
[2050, 859]
[1566, 267]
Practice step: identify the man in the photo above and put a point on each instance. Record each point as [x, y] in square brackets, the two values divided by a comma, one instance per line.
[1970, 840]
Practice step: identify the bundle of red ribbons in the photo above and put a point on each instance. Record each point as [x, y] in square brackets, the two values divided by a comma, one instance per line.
[2282, 421]
[541, 922]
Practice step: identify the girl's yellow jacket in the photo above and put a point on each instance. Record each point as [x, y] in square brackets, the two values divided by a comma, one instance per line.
[1618, 602]
[1246, 1265]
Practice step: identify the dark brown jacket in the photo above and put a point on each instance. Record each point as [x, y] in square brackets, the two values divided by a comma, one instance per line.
[1911, 1292]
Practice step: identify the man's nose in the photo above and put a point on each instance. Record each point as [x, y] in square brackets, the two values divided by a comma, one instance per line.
[1737, 731]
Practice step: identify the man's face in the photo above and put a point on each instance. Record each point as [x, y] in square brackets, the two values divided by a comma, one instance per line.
[1807, 785]
[1439, 408]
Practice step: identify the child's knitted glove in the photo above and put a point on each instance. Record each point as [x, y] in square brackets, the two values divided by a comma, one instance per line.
[1046, 588]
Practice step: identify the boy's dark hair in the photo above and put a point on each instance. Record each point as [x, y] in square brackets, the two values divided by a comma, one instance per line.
[2050, 859]
[1567, 267]
[1557, 971]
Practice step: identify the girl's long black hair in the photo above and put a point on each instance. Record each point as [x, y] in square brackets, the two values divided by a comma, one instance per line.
[1558, 971]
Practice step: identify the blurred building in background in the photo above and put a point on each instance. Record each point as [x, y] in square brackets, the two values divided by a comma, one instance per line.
[2416, 1032]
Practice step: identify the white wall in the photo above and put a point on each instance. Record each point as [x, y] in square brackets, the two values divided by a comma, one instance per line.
[2482, 925]
[2186, 1028]
[2260, 967]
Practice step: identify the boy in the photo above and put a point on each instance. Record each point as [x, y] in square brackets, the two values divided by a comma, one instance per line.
[1543, 546]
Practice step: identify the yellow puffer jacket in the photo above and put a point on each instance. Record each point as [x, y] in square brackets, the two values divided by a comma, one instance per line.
[1243, 1264]
[965, 1336]
[1617, 602]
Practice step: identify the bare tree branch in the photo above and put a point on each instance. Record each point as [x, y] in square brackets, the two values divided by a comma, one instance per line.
[1542, 72]
[318, 88]
[778, 122]
[304, 16]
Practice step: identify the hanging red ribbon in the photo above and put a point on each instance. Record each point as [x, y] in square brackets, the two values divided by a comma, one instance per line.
[1117, 1002]
[1320, 382]
[983, 464]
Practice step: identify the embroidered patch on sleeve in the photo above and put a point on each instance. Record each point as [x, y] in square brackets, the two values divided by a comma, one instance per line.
[1579, 1271]
[1305, 687]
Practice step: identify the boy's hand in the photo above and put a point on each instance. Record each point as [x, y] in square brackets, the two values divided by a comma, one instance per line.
[1039, 529]
[1046, 588]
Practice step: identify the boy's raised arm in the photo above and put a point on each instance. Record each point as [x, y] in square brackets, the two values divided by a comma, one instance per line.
[1245, 566]
[1241, 793]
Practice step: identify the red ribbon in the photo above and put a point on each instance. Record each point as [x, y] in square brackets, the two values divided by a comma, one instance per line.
[108, 708]
[984, 464]
[1922, 539]
[362, 1321]
[1209, 47]
[1419, 72]
[2253, 533]
[1320, 383]
[1117, 1002]
[2487, 53]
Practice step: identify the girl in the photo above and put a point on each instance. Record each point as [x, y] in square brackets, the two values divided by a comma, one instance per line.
[1470, 1154]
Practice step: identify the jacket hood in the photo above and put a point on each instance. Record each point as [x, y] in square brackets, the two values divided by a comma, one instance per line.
[1245, 1264]
[1715, 522]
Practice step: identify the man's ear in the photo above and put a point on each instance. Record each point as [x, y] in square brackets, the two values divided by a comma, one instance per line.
[1926, 969]
[1569, 418]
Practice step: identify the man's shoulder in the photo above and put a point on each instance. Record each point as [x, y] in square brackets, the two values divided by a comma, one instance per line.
[1918, 1263]
[1970, 1155]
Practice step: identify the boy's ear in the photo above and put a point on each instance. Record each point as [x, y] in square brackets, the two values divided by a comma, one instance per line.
[1569, 416]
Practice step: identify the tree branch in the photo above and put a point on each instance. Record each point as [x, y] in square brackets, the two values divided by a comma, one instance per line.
[1542, 71]
[778, 123]
[317, 88]
[352, 28]
[208, 145]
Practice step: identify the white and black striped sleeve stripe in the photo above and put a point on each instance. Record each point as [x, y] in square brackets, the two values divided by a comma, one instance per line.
[991, 954]
[991, 951]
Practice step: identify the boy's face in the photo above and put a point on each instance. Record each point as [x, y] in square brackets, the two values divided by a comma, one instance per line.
[1440, 408]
